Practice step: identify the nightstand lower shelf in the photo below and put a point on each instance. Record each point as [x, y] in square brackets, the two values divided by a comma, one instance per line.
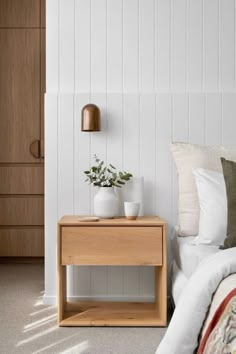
[98, 313]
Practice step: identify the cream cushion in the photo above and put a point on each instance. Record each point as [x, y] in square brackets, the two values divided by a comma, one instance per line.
[188, 157]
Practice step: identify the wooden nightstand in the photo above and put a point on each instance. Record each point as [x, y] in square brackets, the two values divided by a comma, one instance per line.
[112, 242]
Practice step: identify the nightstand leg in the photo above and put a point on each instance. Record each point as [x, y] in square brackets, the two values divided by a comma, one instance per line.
[161, 293]
[61, 280]
[61, 296]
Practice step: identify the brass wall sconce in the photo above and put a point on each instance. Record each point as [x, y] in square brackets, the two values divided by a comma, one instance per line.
[90, 118]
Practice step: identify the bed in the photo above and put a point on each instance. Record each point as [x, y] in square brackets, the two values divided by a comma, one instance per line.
[203, 272]
[186, 257]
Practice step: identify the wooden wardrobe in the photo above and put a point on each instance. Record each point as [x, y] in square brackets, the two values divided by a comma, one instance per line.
[22, 87]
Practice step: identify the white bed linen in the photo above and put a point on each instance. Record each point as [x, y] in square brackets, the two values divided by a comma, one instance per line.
[188, 255]
[185, 326]
[178, 281]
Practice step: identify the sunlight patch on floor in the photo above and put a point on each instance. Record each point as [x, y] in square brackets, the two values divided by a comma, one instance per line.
[77, 349]
[48, 308]
[46, 348]
[39, 323]
[36, 336]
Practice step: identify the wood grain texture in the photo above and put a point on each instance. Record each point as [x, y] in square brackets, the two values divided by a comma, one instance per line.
[43, 13]
[42, 84]
[19, 13]
[110, 244]
[112, 314]
[20, 179]
[61, 279]
[22, 210]
[52, 46]
[161, 283]
[73, 220]
[20, 93]
[21, 242]
[99, 245]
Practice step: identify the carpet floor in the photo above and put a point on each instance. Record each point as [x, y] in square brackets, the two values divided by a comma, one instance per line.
[28, 326]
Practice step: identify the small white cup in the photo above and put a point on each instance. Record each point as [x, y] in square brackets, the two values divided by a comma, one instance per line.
[131, 210]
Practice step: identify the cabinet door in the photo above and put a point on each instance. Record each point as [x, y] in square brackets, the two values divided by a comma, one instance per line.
[22, 86]
[20, 93]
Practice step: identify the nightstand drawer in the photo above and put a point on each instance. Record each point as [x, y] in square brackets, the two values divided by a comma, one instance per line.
[105, 245]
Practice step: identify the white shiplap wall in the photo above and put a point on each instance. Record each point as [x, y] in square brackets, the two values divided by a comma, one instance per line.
[160, 70]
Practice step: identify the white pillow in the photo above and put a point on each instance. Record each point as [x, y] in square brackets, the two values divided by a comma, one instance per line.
[188, 157]
[213, 207]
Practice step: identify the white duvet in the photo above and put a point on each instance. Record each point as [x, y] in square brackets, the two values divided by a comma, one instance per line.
[185, 326]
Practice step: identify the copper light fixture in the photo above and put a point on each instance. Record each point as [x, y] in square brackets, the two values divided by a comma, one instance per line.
[90, 118]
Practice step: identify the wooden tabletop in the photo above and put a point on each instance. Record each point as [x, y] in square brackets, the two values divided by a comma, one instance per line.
[72, 220]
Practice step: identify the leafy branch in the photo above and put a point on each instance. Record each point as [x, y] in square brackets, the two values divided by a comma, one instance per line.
[106, 176]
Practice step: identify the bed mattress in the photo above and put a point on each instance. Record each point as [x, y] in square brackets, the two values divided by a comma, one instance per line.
[187, 255]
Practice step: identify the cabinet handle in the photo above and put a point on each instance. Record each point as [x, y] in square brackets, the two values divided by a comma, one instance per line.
[35, 149]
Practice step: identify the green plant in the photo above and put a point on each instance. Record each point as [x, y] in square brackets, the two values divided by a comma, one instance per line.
[106, 176]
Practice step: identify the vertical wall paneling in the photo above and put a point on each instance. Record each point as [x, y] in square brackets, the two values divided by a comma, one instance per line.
[163, 157]
[180, 117]
[130, 46]
[162, 44]
[147, 282]
[227, 44]
[82, 46]
[66, 45]
[180, 132]
[213, 123]
[99, 147]
[51, 202]
[52, 78]
[81, 188]
[228, 119]
[196, 118]
[131, 281]
[98, 45]
[99, 139]
[114, 156]
[131, 163]
[65, 164]
[148, 171]
[82, 159]
[65, 154]
[115, 281]
[98, 281]
[115, 129]
[146, 45]
[131, 132]
[164, 163]
[114, 46]
[160, 71]
[194, 45]
[148, 150]
[211, 45]
[178, 44]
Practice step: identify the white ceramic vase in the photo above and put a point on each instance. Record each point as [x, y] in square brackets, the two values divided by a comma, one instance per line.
[106, 203]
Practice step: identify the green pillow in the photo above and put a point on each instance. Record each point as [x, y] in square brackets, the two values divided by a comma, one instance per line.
[229, 171]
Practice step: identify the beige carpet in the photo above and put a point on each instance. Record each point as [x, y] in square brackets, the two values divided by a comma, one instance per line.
[28, 326]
